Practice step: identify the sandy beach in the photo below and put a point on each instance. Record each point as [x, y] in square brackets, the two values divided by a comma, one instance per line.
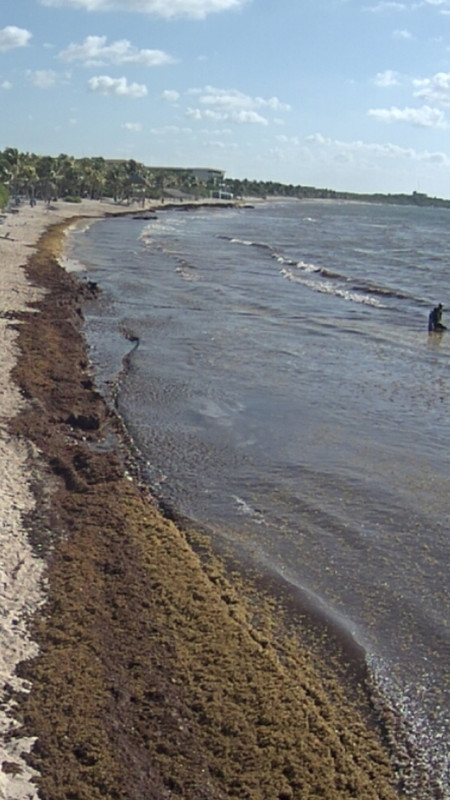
[21, 589]
[133, 663]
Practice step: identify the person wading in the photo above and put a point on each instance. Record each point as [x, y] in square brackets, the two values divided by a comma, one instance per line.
[435, 319]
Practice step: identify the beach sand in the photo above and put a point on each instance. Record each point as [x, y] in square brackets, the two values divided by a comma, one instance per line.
[134, 664]
[21, 574]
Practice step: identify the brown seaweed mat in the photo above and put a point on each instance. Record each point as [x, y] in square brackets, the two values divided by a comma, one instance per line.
[156, 677]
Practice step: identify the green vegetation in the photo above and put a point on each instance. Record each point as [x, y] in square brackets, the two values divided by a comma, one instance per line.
[51, 178]
[266, 189]
[72, 179]
[4, 196]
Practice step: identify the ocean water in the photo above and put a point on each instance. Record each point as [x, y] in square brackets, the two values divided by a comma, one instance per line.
[284, 392]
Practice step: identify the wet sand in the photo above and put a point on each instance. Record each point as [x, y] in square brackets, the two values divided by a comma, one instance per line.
[147, 668]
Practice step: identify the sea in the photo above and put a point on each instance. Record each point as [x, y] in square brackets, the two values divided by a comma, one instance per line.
[273, 366]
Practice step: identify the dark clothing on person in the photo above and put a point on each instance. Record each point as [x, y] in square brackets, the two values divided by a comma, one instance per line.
[435, 319]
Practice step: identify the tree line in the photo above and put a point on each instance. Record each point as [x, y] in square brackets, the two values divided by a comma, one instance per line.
[48, 178]
[266, 189]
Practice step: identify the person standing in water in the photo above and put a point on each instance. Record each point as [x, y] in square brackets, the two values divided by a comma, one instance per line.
[435, 319]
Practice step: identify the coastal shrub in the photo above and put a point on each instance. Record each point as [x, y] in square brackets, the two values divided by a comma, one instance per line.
[4, 196]
[72, 199]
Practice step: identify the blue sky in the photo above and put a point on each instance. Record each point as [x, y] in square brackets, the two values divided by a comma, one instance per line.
[345, 94]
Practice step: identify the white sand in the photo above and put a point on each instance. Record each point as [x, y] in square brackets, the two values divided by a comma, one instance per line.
[21, 572]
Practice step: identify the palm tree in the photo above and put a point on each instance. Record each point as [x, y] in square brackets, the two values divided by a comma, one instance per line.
[47, 176]
[4, 196]
[68, 176]
[92, 171]
[29, 180]
[12, 162]
[114, 182]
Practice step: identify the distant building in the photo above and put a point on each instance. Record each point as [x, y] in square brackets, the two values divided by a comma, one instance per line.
[205, 174]
[221, 194]
[200, 173]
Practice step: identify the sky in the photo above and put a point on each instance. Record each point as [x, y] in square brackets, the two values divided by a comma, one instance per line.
[350, 95]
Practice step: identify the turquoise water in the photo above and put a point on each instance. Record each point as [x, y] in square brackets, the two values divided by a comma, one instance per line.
[285, 394]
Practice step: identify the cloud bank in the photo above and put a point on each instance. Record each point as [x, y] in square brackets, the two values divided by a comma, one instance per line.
[424, 117]
[233, 105]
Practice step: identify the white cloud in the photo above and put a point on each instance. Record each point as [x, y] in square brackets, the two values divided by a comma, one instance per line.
[435, 89]
[442, 4]
[387, 78]
[170, 130]
[218, 144]
[247, 117]
[234, 100]
[118, 87]
[42, 78]
[11, 37]
[94, 52]
[217, 132]
[402, 34]
[290, 140]
[133, 127]
[210, 114]
[5, 85]
[318, 138]
[424, 117]
[384, 5]
[194, 113]
[240, 117]
[273, 103]
[170, 95]
[233, 106]
[198, 9]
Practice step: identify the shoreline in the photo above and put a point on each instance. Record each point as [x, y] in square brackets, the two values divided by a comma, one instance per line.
[155, 673]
